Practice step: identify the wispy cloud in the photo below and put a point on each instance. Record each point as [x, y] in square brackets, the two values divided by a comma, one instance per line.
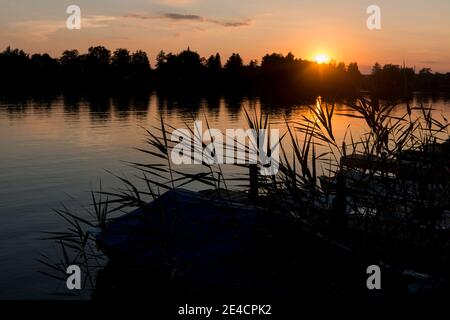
[42, 29]
[191, 17]
[177, 2]
[177, 16]
[243, 23]
[430, 62]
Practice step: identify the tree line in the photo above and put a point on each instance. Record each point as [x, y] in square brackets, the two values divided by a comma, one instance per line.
[100, 69]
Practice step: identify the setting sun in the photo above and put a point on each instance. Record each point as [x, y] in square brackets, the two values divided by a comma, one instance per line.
[321, 58]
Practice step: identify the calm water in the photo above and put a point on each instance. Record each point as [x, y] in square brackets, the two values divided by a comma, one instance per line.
[55, 150]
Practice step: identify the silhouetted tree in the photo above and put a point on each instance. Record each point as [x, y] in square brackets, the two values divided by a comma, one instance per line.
[190, 65]
[234, 63]
[214, 64]
[160, 59]
[121, 65]
[253, 64]
[233, 69]
[69, 58]
[141, 68]
[391, 80]
[426, 80]
[214, 69]
[44, 70]
[97, 68]
[71, 68]
[184, 70]
[355, 75]
[14, 66]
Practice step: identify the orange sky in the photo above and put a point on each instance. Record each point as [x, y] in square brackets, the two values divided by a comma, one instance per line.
[416, 31]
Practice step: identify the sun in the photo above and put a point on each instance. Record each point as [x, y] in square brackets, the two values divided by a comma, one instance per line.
[322, 58]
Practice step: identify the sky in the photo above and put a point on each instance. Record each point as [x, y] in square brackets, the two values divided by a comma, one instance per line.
[414, 31]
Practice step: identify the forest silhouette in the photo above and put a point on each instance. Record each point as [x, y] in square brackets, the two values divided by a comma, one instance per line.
[278, 75]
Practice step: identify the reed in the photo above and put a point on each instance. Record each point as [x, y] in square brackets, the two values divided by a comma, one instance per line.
[378, 210]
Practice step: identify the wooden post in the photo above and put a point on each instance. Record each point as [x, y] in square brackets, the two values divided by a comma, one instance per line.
[253, 181]
[339, 219]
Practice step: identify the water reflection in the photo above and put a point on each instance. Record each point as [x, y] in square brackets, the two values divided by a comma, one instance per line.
[104, 108]
[57, 145]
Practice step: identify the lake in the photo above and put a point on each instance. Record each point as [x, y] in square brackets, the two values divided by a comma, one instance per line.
[56, 150]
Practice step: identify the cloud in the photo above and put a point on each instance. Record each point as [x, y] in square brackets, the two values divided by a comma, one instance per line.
[42, 29]
[176, 16]
[243, 23]
[177, 2]
[139, 16]
[97, 21]
[37, 29]
[190, 17]
[430, 62]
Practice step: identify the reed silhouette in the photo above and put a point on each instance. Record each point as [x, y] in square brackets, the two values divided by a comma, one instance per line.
[381, 198]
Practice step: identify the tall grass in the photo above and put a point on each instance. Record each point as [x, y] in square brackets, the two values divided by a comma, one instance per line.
[378, 212]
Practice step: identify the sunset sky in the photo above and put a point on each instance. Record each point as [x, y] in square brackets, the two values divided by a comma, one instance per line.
[416, 31]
